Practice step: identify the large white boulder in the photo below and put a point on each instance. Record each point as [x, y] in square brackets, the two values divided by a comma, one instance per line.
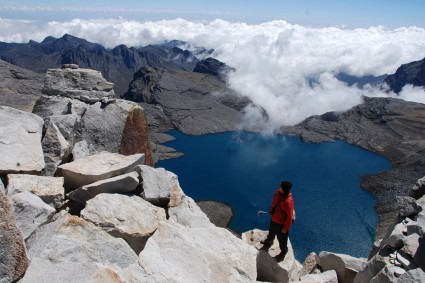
[42, 270]
[268, 268]
[345, 266]
[73, 240]
[120, 184]
[325, 277]
[181, 254]
[160, 186]
[189, 214]
[97, 167]
[20, 142]
[30, 212]
[69, 82]
[49, 189]
[130, 218]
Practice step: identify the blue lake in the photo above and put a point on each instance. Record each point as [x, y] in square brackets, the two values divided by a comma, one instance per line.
[244, 169]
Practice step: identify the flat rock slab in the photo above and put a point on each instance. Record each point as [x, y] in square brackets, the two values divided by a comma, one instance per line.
[41, 270]
[71, 239]
[49, 189]
[160, 186]
[76, 83]
[20, 141]
[30, 212]
[130, 218]
[189, 214]
[121, 184]
[97, 167]
[180, 254]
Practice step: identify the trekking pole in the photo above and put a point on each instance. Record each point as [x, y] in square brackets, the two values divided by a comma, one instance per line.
[261, 212]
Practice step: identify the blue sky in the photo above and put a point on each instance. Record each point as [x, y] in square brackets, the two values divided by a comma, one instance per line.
[349, 13]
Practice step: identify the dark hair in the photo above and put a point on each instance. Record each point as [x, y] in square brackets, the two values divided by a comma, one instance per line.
[286, 186]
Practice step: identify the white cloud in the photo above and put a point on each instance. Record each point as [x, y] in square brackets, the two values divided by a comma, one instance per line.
[274, 60]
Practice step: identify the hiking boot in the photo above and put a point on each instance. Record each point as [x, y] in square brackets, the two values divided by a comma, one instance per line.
[280, 257]
[267, 242]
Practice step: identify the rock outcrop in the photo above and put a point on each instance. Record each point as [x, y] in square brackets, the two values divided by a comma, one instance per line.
[400, 255]
[82, 118]
[20, 142]
[117, 127]
[213, 67]
[194, 103]
[412, 73]
[85, 84]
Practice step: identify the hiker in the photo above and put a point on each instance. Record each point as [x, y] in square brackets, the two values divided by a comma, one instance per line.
[282, 212]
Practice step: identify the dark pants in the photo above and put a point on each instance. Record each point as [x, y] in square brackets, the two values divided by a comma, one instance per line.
[275, 229]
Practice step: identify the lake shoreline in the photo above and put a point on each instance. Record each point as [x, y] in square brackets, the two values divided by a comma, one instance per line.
[282, 157]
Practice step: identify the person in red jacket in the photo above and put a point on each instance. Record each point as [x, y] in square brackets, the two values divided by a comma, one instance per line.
[282, 211]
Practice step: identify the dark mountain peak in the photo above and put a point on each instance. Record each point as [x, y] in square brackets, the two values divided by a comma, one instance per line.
[49, 39]
[70, 38]
[69, 41]
[410, 73]
[213, 67]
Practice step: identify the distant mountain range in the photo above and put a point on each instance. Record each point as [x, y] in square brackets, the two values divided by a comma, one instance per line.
[121, 63]
[117, 65]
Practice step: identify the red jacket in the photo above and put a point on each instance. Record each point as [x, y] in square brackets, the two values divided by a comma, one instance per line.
[283, 209]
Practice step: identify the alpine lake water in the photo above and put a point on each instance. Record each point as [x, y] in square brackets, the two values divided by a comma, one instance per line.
[244, 169]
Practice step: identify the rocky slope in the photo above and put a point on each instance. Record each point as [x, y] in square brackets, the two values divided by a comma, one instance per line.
[411, 73]
[193, 102]
[19, 88]
[390, 127]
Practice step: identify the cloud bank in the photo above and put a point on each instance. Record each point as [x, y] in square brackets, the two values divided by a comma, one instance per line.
[289, 70]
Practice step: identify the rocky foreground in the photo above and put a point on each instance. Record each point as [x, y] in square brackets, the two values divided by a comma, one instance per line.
[80, 202]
